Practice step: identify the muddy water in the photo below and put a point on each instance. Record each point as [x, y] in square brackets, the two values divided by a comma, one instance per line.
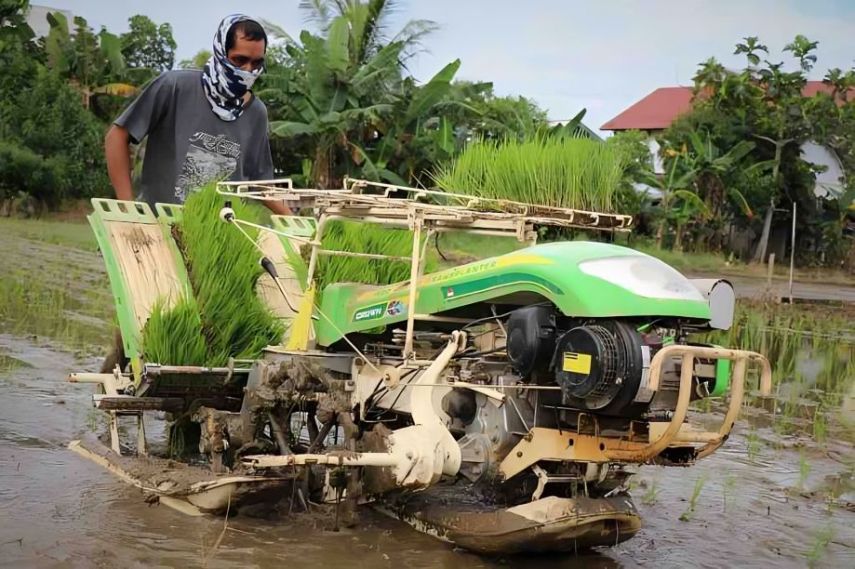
[59, 510]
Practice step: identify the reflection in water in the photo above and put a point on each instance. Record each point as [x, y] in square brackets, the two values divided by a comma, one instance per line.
[59, 510]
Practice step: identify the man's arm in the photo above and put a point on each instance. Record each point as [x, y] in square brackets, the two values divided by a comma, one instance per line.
[118, 155]
[278, 207]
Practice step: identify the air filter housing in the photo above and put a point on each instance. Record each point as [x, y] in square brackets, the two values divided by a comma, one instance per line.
[599, 366]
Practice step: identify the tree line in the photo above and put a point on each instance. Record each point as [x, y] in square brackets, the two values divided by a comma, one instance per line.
[342, 102]
[735, 160]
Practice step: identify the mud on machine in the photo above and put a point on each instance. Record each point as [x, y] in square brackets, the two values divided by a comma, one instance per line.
[500, 405]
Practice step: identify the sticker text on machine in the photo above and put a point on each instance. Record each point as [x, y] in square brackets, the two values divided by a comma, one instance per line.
[391, 309]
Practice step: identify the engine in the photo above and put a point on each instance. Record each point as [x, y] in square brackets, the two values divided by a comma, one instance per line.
[600, 365]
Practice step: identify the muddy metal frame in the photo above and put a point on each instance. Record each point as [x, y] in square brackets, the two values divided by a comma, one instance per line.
[422, 211]
[551, 444]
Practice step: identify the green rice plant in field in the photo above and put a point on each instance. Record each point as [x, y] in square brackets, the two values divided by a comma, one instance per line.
[727, 489]
[804, 469]
[787, 333]
[652, 494]
[564, 172]
[754, 444]
[820, 543]
[44, 307]
[820, 424]
[223, 267]
[693, 499]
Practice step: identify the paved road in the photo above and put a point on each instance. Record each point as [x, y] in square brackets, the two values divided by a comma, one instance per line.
[748, 287]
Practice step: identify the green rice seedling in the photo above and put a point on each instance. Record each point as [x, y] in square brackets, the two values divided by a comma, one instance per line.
[727, 489]
[693, 499]
[820, 543]
[652, 494]
[820, 424]
[175, 335]
[804, 469]
[223, 269]
[569, 172]
[365, 238]
[8, 363]
[754, 444]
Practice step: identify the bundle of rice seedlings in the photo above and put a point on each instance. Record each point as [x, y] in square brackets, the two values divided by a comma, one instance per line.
[365, 238]
[223, 269]
[555, 171]
[174, 335]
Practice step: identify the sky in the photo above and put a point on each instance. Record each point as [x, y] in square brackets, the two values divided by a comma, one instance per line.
[565, 55]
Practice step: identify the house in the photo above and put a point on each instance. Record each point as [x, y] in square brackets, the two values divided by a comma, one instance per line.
[37, 19]
[655, 112]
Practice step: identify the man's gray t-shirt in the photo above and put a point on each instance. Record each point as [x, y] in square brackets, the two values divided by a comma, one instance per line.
[188, 145]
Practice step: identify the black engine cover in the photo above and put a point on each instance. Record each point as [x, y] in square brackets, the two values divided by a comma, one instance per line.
[531, 339]
[599, 366]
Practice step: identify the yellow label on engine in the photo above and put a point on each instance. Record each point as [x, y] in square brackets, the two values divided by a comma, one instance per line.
[575, 362]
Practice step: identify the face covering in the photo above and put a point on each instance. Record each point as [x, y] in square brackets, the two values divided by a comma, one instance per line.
[224, 84]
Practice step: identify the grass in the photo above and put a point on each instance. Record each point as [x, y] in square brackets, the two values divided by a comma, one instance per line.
[684, 261]
[75, 234]
[225, 318]
[577, 173]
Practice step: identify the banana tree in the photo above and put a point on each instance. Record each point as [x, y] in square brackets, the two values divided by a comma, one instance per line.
[321, 96]
[417, 135]
[343, 91]
[86, 60]
[674, 186]
[711, 166]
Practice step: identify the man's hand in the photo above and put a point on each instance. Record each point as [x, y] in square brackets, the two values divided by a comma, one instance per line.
[118, 155]
[278, 207]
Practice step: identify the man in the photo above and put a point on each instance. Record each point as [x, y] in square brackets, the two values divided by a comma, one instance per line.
[202, 126]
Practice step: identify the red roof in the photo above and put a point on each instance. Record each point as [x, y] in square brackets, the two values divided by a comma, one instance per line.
[658, 110]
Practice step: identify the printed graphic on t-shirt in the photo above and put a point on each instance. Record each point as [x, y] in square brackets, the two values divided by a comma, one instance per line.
[209, 158]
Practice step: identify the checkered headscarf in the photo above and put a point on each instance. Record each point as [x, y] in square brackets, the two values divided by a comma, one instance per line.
[224, 84]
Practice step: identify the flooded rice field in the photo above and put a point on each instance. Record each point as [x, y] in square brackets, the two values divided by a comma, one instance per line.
[781, 492]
